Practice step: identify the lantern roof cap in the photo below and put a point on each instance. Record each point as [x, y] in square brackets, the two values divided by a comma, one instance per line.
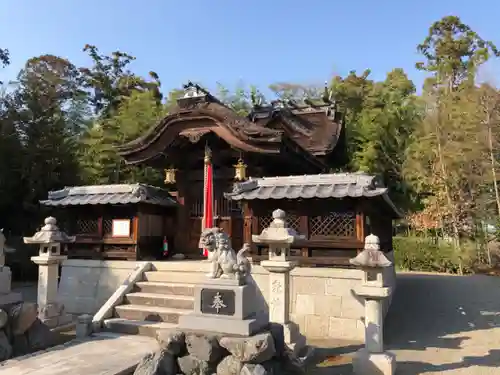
[278, 231]
[49, 233]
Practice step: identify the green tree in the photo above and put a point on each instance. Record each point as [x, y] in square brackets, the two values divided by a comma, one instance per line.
[100, 160]
[11, 164]
[454, 52]
[37, 111]
[4, 58]
[109, 80]
[383, 130]
[352, 94]
[242, 99]
[446, 160]
[296, 92]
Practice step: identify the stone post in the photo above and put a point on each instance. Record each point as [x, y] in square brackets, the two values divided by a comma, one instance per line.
[50, 239]
[279, 238]
[372, 359]
[7, 296]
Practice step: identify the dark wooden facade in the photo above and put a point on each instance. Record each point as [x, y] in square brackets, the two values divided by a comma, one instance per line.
[333, 211]
[334, 229]
[88, 213]
[281, 139]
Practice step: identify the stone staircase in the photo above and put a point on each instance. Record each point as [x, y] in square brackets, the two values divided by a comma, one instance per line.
[155, 303]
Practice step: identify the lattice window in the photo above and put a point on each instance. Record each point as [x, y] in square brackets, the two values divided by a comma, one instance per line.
[107, 226]
[292, 220]
[87, 226]
[334, 224]
[264, 222]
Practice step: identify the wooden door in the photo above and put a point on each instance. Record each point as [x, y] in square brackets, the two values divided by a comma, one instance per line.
[227, 215]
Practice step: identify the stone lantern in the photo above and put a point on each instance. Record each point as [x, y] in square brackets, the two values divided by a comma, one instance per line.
[372, 359]
[279, 238]
[50, 239]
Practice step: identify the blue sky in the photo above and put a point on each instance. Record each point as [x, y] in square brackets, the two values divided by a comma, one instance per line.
[229, 41]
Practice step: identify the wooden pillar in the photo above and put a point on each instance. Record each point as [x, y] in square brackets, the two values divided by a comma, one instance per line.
[100, 229]
[247, 222]
[135, 234]
[304, 230]
[250, 225]
[360, 226]
[181, 239]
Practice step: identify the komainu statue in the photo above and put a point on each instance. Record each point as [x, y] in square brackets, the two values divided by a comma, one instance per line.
[225, 262]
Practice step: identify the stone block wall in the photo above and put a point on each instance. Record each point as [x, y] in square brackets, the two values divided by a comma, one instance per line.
[322, 301]
[86, 285]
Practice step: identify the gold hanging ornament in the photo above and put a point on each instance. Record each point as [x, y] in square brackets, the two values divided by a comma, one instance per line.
[240, 171]
[170, 176]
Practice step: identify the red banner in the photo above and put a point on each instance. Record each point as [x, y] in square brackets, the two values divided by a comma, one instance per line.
[208, 198]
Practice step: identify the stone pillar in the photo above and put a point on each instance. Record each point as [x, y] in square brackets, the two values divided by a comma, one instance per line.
[279, 238]
[84, 326]
[49, 239]
[373, 359]
[7, 297]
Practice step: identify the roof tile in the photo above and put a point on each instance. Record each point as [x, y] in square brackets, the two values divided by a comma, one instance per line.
[109, 194]
[335, 185]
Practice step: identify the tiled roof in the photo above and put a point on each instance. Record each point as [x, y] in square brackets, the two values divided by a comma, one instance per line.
[335, 185]
[110, 194]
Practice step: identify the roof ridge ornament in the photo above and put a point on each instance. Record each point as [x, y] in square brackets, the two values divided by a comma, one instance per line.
[192, 90]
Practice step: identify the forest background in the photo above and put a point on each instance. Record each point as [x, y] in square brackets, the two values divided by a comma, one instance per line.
[437, 151]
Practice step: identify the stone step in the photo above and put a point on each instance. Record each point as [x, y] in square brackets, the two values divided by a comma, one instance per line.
[149, 313]
[160, 300]
[136, 327]
[174, 277]
[165, 288]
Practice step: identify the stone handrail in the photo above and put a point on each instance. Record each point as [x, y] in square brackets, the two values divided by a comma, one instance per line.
[106, 311]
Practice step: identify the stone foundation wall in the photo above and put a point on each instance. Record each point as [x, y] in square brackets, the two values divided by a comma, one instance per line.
[322, 301]
[85, 285]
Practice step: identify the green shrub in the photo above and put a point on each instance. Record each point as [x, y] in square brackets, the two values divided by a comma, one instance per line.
[429, 254]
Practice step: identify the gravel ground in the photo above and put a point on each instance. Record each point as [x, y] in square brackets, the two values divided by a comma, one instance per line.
[437, 324]
[441, 324]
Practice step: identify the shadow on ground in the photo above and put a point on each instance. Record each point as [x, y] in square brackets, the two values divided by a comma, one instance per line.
[436, 324]
[450, 317]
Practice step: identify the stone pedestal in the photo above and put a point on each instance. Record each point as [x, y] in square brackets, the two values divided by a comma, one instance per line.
[51, 312]
[279, 302]
[7, 297]
[279, 237]
[372, 359]
[49, 239]
[368, 363]
[224, 306]
[84, 326]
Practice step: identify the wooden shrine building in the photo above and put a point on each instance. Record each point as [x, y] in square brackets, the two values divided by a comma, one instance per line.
[123, 221]
[273, 141]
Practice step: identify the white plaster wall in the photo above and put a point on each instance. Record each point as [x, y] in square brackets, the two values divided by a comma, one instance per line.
[86, 285]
